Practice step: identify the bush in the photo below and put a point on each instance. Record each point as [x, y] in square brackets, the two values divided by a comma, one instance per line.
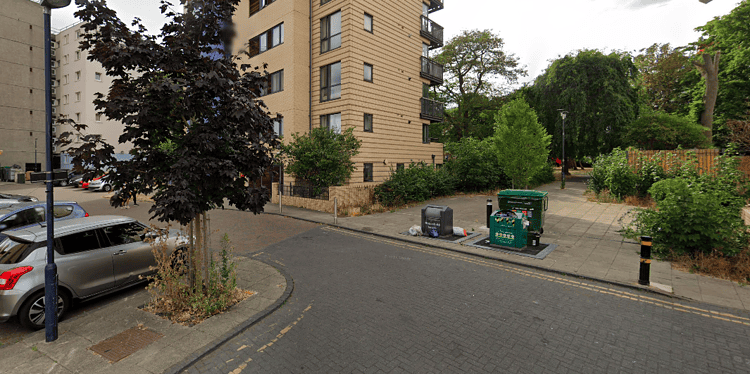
[474, 165]
[543, 176]
[418, 182]
[658, 130]
[650, 172]
[612, 172]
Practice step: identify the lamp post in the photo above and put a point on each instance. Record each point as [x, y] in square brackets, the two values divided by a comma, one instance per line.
[50, 271]
[563, 114]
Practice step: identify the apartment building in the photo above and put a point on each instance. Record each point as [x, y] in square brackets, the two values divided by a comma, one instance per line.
[22, 83]
[351, 63]
[76, 83]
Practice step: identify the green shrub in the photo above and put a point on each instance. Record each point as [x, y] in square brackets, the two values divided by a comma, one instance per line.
[659, 130]
[650, 172]
[613, 173]
[474, 165]
[543, 176]
[418, 182]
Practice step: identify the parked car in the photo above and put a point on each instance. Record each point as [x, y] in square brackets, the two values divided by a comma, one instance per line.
[66, 181]
[100, 184]
[95, 256]
[7, 199]
[85, 184]
[22, 215]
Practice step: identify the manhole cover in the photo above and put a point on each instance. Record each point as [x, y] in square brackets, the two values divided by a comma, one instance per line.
[125, 343]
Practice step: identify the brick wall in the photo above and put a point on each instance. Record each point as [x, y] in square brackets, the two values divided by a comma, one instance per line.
[351, 198]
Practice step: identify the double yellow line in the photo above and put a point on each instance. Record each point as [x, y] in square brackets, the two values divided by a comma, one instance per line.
[551, 278]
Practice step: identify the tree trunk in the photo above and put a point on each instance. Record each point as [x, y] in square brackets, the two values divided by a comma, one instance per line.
[710, 72]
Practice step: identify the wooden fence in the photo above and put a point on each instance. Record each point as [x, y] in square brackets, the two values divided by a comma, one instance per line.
[671, 160]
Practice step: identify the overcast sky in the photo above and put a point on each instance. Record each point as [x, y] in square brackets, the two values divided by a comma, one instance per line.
[536, 31]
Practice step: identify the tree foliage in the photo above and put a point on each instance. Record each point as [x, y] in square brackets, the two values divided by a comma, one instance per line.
[659, 130]
[474, 62]
[599, 93]
[200, 134]
[322, 157]
[475, 165]
[663, 74]
[521, 142]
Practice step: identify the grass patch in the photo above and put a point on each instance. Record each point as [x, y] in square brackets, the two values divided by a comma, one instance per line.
[715, 264]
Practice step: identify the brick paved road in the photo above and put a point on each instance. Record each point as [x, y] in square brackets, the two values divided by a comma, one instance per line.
[368, 305]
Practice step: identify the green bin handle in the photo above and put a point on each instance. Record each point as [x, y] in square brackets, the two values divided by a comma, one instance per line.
[546, 203]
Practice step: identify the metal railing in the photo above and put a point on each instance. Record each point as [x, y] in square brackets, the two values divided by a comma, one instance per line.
[435, 5]
[431, 110]
[306, 191]
[432, 31]
[432, 71]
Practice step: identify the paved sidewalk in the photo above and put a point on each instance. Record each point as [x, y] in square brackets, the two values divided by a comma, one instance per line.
[176, 348]
[585, 232]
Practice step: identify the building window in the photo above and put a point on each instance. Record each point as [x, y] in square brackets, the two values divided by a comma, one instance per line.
[323, 2]
[65, 59]
[330, 32]
[330, 82]
[368, 72]
[399, 166]
[425, 90]
[66, 38]
[65, 99]
[368, 22]
[98, 117]
[78, 76]
[331, 122]
[78, 55]
[425, 50]
[368, 172]
[425, 10]
[277, 81]
[78, 117]
[98, 76]
[278, 127]
[257, 5]
[78, 96]
[65, 79]
[78, 34]
[368, 122]
[425, 134]
[267, 40]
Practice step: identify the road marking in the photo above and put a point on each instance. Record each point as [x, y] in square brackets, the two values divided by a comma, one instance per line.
[552, 278]
[281, 334]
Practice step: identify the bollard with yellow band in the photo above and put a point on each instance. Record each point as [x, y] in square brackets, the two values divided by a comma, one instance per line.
[645, 261]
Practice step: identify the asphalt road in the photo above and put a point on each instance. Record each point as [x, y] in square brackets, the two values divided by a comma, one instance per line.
[362, 304]
[248, 233]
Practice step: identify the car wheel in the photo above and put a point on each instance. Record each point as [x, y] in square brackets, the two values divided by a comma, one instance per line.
[63, 183]
[31, 313]
[107, 188]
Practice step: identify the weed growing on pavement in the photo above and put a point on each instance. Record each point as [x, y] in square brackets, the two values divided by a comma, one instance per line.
[735, 268]
[172, 296]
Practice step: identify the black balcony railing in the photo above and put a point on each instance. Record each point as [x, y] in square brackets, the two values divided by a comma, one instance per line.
[431, 110]
[432, 71]
[435, 5]
[433, 32]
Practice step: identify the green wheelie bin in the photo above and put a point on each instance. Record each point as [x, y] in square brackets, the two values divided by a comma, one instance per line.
[532, 203]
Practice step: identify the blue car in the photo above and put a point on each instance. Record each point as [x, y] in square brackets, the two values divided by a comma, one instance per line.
[22, 215]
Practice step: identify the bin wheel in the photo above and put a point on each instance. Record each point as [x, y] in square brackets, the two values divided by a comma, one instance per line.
[541, 231]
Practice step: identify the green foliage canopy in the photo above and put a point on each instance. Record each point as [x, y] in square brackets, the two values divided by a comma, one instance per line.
[521, 142]
[322, 157]
[659, 130]
[475, 165]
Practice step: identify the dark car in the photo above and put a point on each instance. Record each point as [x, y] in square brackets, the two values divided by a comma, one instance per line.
[23, 215]
[7, 199]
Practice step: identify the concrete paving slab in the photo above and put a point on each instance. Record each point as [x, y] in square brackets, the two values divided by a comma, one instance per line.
[725, 301]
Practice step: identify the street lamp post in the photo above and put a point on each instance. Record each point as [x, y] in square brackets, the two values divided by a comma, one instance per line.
[50, 271]
[563, 114]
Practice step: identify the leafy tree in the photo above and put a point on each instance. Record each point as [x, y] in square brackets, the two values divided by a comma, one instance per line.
[473, 61]
[474, 165]
[599, 94]
[727, 87]
[322, 157]
[663, 73]
[659, 130]
[200, 134]
[521, 142]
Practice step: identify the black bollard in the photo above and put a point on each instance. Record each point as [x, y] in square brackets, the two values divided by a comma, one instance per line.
[645, 261]
[489, 211]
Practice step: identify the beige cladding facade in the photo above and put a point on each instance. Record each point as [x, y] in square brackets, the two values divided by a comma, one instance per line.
[78, 80]
[22, 86]
[393, 49]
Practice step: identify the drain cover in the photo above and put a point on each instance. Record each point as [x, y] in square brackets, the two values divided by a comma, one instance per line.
[125, 343]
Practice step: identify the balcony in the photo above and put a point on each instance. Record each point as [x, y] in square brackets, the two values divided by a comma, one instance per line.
[431, 70]
[435, 5]
[431, 110]
[432, 31]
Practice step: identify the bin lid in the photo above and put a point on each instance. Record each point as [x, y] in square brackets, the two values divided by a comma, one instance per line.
[523, 193]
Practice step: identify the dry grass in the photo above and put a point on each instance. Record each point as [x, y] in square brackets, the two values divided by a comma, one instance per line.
[606, 197]
[715, 264]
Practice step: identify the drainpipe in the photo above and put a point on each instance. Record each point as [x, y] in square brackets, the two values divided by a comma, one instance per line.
[309, 113]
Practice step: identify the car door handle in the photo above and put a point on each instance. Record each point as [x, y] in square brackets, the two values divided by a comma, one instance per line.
[120, 252]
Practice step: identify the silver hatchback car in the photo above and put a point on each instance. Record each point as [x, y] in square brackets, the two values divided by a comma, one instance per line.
[94, 256]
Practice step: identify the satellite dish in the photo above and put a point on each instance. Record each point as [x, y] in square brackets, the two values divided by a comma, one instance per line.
[55, 3]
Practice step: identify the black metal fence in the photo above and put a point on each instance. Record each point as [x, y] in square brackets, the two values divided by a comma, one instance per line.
[306, 191]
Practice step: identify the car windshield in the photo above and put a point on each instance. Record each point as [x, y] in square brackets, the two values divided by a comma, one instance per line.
[14, 251]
